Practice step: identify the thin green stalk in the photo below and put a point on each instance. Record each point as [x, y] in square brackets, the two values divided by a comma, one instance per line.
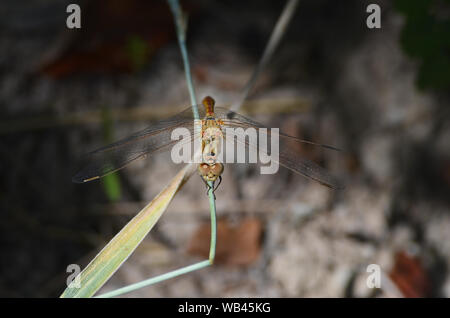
[212, 208]
[156, 279]
[181, 25]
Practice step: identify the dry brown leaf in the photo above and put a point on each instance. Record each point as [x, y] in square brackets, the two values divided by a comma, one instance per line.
[237, 245]
[410, 276]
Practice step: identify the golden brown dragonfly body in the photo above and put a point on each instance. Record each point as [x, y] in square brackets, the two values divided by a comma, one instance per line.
[212, 137]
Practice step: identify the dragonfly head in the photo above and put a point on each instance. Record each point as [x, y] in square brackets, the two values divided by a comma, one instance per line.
[208, 102]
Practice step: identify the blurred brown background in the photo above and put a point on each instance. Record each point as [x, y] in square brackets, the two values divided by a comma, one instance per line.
[379, 94]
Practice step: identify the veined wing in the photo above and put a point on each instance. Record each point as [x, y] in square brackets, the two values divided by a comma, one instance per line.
[287, 157]
[234, 119]
[153, 139]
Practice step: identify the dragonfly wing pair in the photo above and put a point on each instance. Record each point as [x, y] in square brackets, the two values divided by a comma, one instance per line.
[157, 138]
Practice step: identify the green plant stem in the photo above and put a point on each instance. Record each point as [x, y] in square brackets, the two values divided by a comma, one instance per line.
[156, 279]
[212, 208]
[181, 25]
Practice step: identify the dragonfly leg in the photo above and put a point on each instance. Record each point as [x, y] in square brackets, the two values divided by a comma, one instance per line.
[220, 181]
[215, 188]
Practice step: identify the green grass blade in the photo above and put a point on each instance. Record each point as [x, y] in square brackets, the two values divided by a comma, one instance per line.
[104, 265]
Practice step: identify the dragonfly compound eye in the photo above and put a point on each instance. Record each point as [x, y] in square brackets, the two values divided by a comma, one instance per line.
[203, 169]
[217, 169]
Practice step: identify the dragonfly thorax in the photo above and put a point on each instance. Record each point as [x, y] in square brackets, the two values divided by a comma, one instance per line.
[211, 144]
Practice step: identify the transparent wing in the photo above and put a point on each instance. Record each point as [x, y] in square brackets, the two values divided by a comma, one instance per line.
[232, 118]
[287, 157]
[153, 139]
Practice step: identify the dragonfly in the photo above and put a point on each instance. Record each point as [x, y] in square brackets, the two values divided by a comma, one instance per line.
[212, 132]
